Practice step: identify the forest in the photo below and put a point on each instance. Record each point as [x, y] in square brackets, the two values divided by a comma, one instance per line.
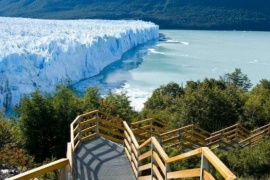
[39, 130]
[168, 14]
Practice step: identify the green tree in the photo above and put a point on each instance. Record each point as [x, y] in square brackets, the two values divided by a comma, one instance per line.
[91, 99]
[38, 125]
[66, 106]
[237, 78]
[257, 106]
[118, 105]
[251, 162]
[211, 104]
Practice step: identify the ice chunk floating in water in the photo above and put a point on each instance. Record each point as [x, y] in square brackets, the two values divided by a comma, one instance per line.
[40, 53]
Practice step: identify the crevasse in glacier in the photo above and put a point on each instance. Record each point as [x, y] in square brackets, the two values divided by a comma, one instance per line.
[41, 53]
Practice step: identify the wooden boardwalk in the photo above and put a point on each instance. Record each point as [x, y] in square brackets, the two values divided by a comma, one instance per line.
[102, 159]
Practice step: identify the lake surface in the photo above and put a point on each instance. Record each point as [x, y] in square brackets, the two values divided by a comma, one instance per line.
[191, 55]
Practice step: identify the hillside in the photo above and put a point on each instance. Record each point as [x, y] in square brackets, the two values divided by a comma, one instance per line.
[169, 14]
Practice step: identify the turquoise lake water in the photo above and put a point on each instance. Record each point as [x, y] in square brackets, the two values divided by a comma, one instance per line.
[190, 55]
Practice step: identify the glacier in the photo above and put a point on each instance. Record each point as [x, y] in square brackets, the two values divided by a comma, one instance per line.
[40, 54]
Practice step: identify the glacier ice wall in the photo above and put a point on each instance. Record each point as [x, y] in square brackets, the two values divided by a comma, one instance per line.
[41, 53]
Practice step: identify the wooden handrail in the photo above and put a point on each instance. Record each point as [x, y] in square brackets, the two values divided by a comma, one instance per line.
[160, 166]
[265, 127]
[176, 130]
[88, 125]
[215, 161]
[41, 170]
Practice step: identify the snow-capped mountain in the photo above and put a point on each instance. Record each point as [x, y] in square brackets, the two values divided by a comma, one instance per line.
[41, 53]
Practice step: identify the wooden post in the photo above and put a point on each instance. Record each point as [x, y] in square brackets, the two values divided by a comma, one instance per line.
[151, 127]
[97, 122]
[80, 130]
[204, 166]
[167, 170]
[151, 159]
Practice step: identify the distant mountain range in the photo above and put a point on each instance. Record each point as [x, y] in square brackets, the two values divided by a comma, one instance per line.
[169, 14]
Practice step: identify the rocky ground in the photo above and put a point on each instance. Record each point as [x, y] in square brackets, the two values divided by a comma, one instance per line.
[7, 171]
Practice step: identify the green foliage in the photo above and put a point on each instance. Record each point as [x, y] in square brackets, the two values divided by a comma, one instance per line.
[257, 106]
[38, 125]
[211, 104]
[91, 99]
[45, 118]
[253, 161]
[11, 143]
[237, 78]
[118, 105]
[169, 14]
[10, 134]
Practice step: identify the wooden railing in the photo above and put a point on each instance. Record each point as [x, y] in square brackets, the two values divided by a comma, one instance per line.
[256, 136]
[83, 128]
[147, 128]
[96, 123]
[190, 136]
[228, 138]
[63, 165]
[150, 161]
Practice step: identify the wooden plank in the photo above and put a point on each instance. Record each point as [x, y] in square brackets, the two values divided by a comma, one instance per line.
[76, 137]
[76, 145]
[120, 141]
[157, 173]
[134, 160]
[41, 170]
[134, 169]
[131, 134]
[127, 145]
[107, 130]
[145, 177]
[110, 124]
[148, 141]
[184, 155]
[225, 129]
[86, 138]
[190, 173]
[160, 163]
[76, 128]
[207, 176]
[74, 122]
[159, 149]
[260, 129]
[140, 122]
[144, 167]
[134, 150]
[128, 154]
[142, 127]
[127, 137]
[170, 139]
[215, 161]
[251, 137]
[88, 114]
[118, 119]
[145, 155]
[84, 131]
[176, 130]
[87, 122]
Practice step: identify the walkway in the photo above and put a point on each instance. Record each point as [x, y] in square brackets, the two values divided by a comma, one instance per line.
[102, 159]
